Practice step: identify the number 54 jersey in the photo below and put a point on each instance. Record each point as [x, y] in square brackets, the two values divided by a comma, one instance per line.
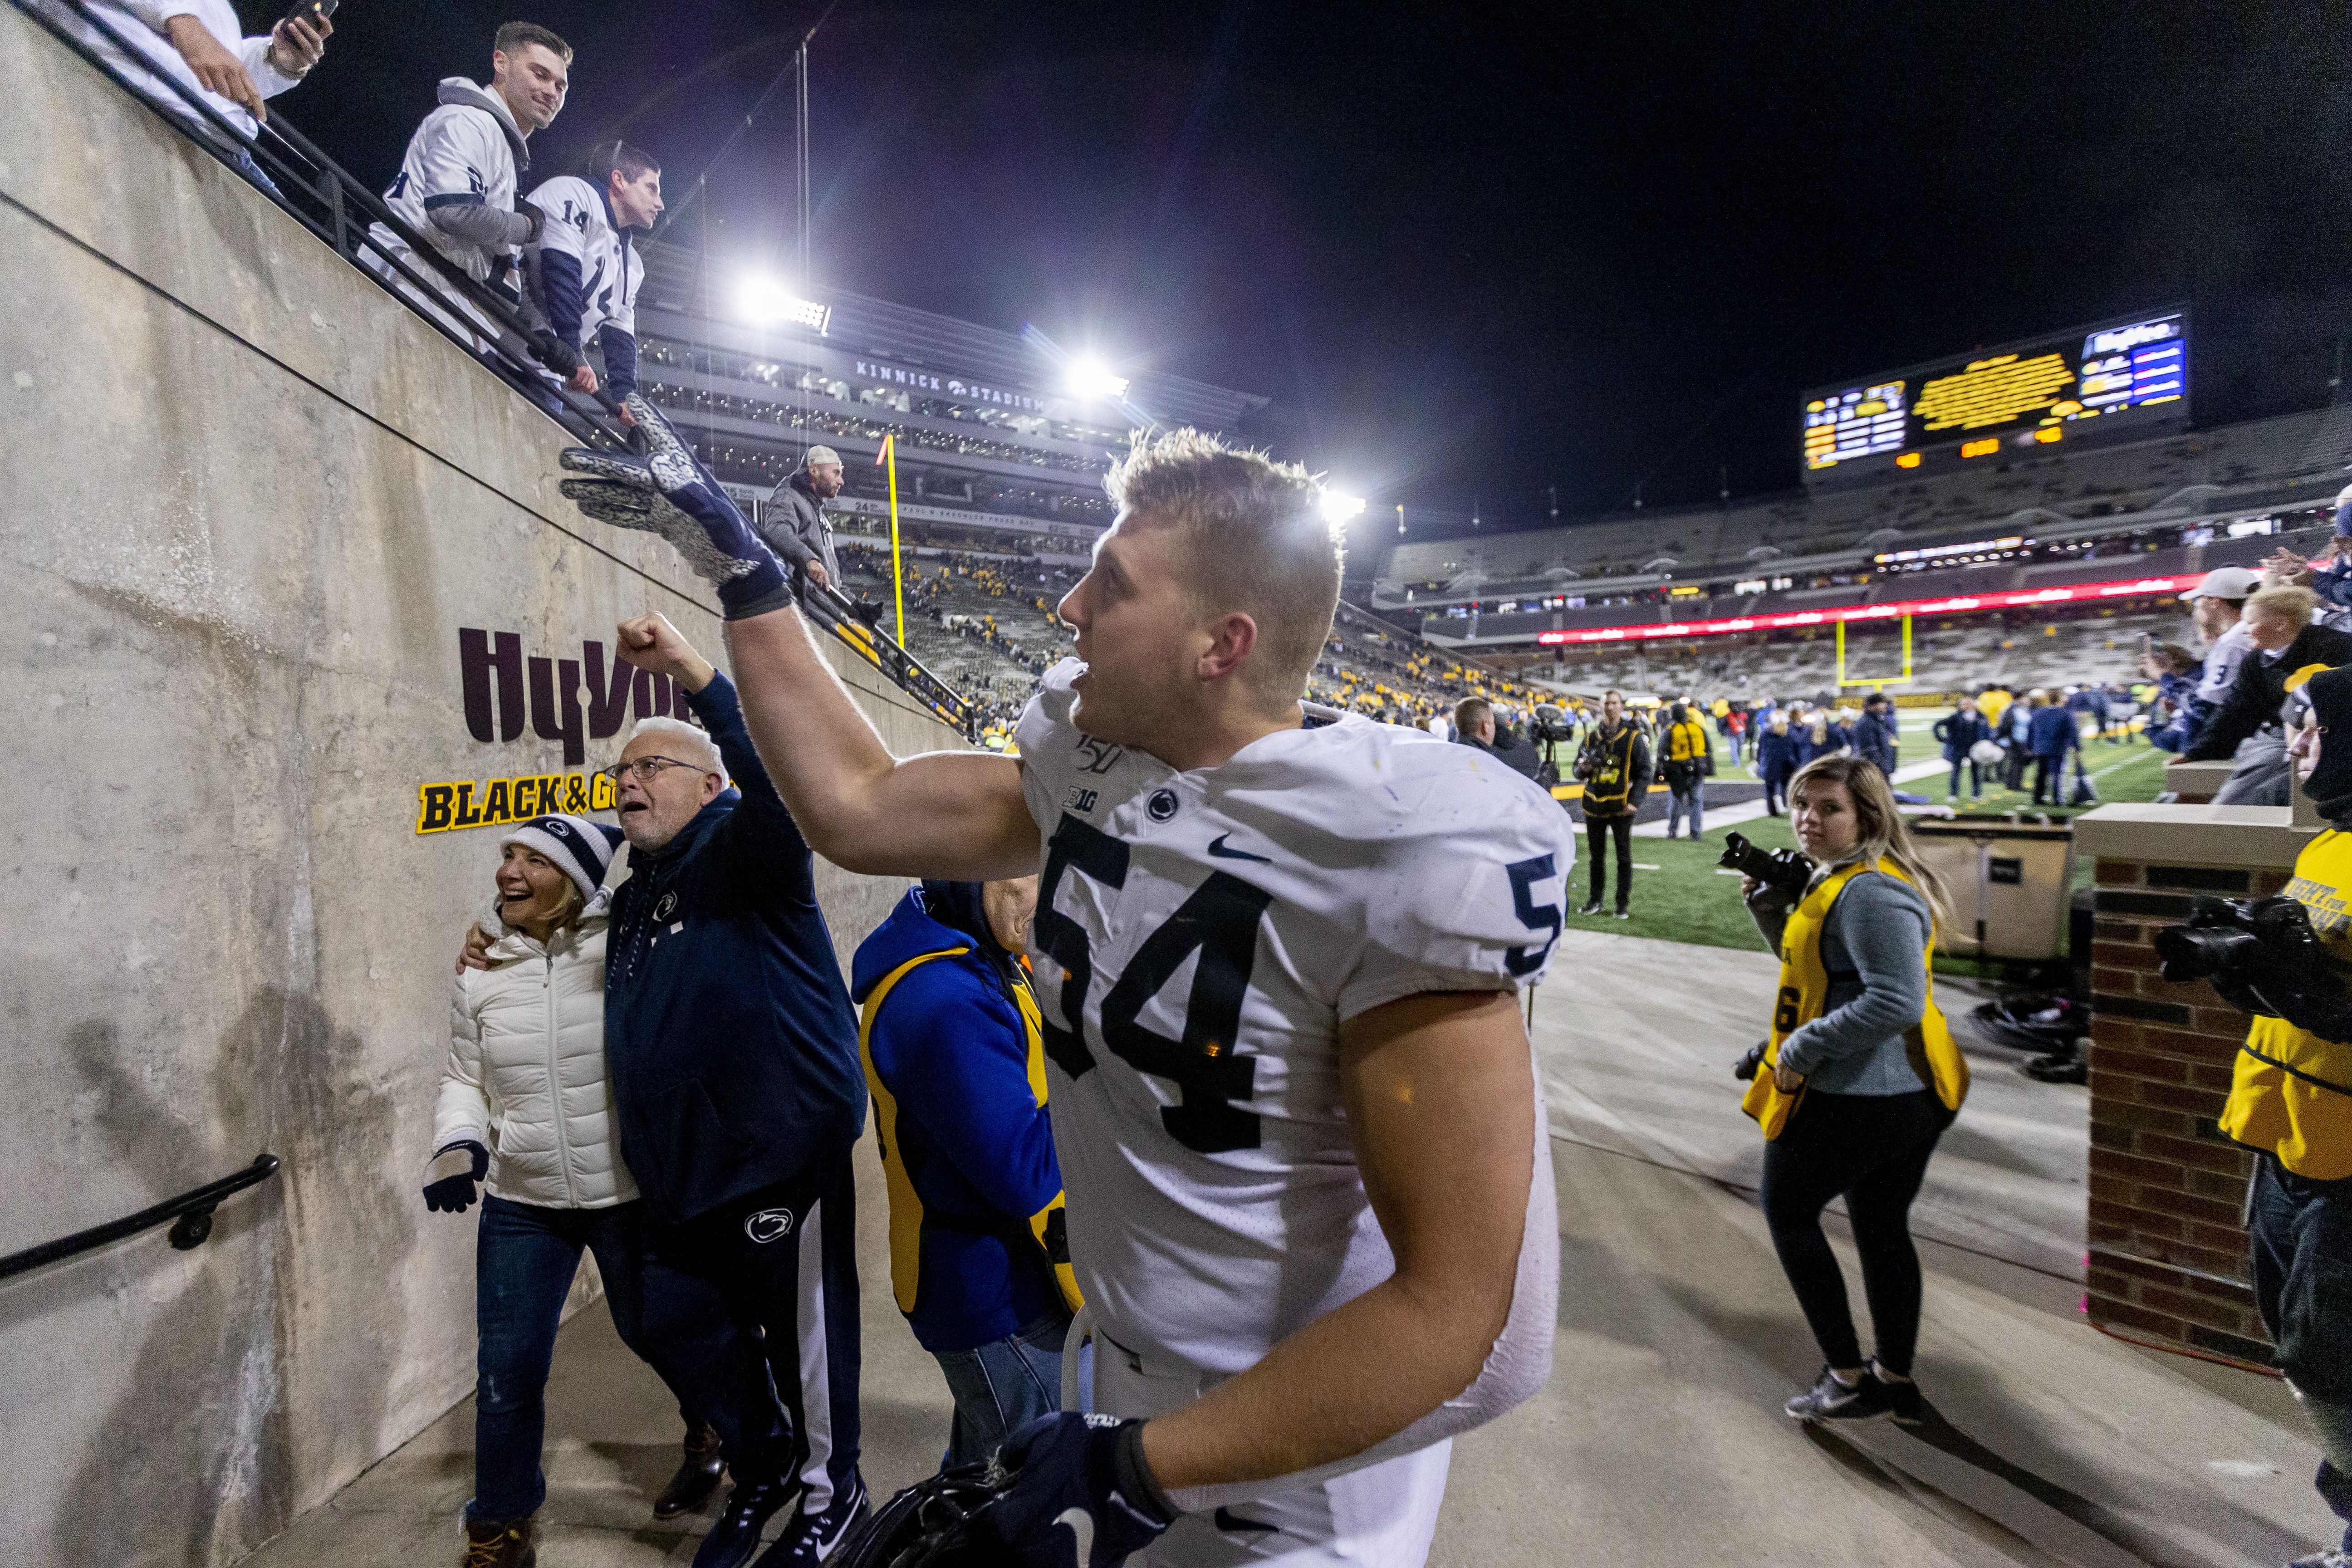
[1200, 938]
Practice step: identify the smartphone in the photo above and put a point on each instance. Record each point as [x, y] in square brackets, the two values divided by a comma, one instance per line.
[311, 11]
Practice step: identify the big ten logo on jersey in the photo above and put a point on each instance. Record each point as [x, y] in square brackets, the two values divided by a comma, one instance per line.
[1080, 798]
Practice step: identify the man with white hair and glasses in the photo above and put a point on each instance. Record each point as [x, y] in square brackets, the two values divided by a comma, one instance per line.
[734, 1053]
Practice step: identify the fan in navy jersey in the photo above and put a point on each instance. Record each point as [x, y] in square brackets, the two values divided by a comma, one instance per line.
[1276, 950]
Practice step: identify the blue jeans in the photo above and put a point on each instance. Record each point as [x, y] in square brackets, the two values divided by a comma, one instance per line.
[2301, 1236]
[1690, 800]
[1002, 1385]
[525, 1257]
[1976, 775]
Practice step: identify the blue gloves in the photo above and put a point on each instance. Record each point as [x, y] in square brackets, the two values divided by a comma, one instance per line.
[666, 492]
[451, 1175]
[1082, 1497]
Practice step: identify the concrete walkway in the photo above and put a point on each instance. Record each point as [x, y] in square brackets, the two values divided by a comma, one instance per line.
[1660, 1438]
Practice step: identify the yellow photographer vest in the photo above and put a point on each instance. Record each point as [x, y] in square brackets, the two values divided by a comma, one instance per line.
[1804, 996]
[1607, 791]
[1686, 742]
[906, 1204]
[2291, 1092]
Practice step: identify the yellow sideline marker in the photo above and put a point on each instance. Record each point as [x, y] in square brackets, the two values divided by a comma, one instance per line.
[888, 458]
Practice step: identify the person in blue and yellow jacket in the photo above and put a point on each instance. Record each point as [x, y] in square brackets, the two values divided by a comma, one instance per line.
[954, 1058]
[2290, 1102]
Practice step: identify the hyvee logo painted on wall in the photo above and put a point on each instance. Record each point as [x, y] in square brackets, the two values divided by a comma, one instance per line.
[493, 677]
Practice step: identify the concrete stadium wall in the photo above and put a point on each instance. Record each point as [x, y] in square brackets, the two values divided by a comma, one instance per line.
[248, 506]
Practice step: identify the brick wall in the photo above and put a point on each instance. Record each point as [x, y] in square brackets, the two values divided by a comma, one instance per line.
[2167, 1259]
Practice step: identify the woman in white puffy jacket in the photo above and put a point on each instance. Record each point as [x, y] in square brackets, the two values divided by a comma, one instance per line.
[526, 1110]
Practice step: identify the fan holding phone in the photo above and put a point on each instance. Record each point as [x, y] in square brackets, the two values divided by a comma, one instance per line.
[201, 43]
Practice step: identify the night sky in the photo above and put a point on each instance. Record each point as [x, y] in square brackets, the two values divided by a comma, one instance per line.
[1475, 252]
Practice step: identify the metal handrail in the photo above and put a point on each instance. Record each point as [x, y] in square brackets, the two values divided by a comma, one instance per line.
[339, 211]
[190, 1214]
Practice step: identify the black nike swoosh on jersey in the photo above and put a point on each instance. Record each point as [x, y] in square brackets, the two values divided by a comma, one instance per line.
[1217, 847]
[1229, 1521]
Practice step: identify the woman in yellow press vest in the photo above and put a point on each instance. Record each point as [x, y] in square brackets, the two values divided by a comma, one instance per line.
[1858, 1080]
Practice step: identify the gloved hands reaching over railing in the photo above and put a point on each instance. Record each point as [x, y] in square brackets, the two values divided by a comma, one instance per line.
[452, 1174]
[665, 489]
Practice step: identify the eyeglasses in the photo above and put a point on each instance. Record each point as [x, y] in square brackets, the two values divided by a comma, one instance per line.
[648, 769]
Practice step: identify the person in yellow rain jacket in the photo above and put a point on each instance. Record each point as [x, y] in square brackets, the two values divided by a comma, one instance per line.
[1858, 1080]
[978, 1258]
[2290, 1102]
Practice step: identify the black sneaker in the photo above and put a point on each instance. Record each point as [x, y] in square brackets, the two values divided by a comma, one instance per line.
[2058, 1067]
[1902, 1397]
[811, 1537]
[736, 1537]
[1591, 909]
[1830, 1400]
[1624, 914]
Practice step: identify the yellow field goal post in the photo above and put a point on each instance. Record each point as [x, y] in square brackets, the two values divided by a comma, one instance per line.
[1876, 682]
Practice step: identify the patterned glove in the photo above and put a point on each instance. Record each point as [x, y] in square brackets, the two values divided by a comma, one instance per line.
[450, 1175]
[1083, 1497]
[666, 492]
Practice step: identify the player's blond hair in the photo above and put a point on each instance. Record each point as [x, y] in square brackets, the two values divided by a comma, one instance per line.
[1255, 540]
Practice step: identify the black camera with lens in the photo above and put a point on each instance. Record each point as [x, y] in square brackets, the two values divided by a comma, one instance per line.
[1551, 723]
[2224, 938]
[1784, 872]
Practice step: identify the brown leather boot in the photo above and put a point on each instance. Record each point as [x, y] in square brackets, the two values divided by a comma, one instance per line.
[698, 1474]
[514, 1544]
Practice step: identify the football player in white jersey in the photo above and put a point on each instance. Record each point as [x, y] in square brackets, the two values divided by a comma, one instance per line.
[1310, 1198]
[580, 273]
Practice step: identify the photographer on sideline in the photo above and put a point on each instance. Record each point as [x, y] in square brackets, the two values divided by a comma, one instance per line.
[1688, 758]
[1858, 1080]
[1614, 765]
[2290, 1102]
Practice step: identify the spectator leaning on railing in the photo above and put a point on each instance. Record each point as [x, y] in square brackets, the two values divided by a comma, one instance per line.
[200, 43]
[581, 274]
[456, 188]
[794, 524]
[2246, 727]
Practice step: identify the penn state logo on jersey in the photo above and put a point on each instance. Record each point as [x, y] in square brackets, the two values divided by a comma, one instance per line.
[768, 1225]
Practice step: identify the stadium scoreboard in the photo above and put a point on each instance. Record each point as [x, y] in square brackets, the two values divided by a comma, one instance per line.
[2111, 380]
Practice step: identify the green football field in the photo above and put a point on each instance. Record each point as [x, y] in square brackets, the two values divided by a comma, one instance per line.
[1680, 894]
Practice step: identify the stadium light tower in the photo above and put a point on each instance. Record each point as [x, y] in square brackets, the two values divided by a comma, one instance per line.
[1338, 509]
[765, 302]
[1093, 380]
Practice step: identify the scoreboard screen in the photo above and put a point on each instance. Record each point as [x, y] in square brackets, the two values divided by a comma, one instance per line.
[2117, 379]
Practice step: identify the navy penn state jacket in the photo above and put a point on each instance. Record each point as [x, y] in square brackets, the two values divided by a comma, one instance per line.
[728, 1032]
